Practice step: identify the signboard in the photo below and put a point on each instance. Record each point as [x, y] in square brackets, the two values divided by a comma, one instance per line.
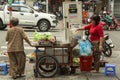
[72, 8]
[72, 11]
[74, 25]
[85, 14]
[72, 17]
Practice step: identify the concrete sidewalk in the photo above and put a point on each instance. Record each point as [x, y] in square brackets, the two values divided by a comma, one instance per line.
[114, 59]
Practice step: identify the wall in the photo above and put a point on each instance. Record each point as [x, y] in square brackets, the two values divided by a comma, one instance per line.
[117, 9]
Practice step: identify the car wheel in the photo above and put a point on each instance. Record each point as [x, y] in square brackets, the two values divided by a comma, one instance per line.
[44, 25]
[2, 26]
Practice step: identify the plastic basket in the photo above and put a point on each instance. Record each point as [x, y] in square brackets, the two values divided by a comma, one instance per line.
[85, 63]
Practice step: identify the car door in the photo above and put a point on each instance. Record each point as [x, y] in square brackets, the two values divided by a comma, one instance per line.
[13, 13]
[27, 16]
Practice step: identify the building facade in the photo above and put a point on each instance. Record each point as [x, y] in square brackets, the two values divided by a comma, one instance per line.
[116, 9]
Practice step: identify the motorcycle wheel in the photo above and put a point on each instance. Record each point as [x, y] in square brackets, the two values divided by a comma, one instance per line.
[117, 28]
[107, 50]
[106, 27]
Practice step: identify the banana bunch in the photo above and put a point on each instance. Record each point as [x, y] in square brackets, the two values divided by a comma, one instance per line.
[76, 60]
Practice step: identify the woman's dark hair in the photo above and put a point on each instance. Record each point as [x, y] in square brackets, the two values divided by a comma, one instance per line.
[14, 21]
[96, 18]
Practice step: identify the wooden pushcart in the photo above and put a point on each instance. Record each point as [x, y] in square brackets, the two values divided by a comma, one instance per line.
[54, 55]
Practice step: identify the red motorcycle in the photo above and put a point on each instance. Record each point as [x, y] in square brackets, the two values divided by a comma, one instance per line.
[114, 25]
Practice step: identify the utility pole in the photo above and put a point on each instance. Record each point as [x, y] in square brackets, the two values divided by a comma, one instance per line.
[46, 6]
[10, 9]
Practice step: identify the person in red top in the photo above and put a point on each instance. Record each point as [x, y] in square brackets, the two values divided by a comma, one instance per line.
[96, 38]
[96, 31]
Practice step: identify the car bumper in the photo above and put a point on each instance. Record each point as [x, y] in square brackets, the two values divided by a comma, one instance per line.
[54, 23]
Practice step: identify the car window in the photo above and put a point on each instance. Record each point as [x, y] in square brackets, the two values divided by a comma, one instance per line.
[25, 9]
[2, 7]
[15, 8]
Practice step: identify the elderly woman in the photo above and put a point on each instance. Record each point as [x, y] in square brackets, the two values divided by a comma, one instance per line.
[15, 49]
[96, 38]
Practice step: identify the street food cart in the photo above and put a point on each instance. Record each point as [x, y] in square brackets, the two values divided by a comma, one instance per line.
[47, 65]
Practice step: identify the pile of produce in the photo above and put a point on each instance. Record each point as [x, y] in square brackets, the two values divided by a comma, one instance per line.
[76, 60]
[44, 37]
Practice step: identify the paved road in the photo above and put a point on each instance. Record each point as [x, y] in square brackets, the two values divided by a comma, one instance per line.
[114, 35]
[58, 32]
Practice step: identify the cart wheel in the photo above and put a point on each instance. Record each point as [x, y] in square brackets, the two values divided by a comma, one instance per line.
[47, 66]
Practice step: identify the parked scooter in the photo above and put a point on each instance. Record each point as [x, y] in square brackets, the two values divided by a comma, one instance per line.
[107, 45]
[58, 15]
[109, 24]
[108, 40]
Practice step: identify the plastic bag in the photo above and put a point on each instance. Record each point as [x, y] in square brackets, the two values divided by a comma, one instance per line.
[85, 47]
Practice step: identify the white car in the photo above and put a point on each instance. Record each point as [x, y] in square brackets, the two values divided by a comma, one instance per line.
[27, 16]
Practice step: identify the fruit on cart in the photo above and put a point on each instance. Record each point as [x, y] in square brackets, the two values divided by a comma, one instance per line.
[52, 39]
[49, 37]
[36, 36]
[42, 36]
[76, 60]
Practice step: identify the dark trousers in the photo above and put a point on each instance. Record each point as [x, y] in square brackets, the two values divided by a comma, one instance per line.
[17, 63]
[96, 55]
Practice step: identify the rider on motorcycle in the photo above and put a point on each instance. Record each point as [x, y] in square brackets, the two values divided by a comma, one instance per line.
[107, 18]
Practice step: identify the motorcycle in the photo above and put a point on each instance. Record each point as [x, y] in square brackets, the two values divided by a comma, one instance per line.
[108, 40]
[58, 15]
[109, 25]
[107, 45]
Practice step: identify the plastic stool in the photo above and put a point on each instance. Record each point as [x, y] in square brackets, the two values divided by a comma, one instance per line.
[110, 69]
[3, 68]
